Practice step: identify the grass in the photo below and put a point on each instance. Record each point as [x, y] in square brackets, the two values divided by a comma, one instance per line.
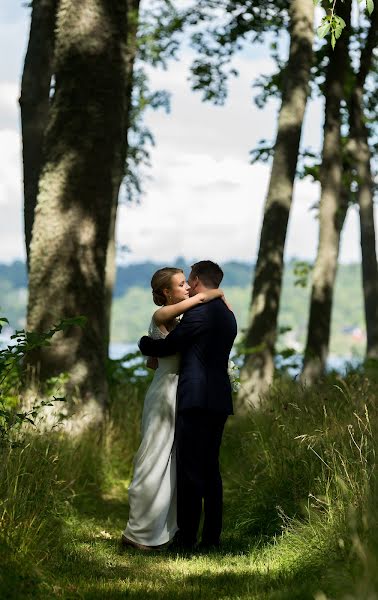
[300, 496]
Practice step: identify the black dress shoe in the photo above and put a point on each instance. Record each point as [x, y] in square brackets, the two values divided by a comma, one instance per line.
[207, 547]
[182, 544]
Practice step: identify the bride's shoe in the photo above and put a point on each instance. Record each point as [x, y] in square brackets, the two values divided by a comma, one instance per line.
[125, 541]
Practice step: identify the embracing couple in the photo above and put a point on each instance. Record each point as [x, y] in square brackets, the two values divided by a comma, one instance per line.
[186, 407]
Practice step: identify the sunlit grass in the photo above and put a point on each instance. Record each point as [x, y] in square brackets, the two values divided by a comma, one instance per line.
[299, 521]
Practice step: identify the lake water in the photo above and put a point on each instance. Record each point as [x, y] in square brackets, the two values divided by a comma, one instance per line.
[334, 363]
[117, 350]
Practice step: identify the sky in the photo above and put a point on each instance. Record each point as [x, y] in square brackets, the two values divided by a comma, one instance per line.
[203, 198]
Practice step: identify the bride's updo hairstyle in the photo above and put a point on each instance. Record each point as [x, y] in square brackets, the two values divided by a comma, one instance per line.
[161, 280]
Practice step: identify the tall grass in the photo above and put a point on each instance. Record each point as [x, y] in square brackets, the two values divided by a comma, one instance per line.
[303, 474]
[299, 478]
[45, 475]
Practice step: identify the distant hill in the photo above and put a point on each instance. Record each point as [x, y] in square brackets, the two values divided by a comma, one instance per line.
[132, 306]
[139, 275]
[15, 273]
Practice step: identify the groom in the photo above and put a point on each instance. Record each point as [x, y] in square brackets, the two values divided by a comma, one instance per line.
[204, 338]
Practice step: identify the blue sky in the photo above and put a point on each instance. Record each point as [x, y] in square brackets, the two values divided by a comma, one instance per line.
[203, 198]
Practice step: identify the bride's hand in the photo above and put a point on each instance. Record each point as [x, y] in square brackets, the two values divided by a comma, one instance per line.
[226, 303]
[152, 362]
[211, 295]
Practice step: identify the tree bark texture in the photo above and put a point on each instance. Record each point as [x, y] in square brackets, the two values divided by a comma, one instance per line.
[110, 272]
[85, 144]
[331, 210]
[360, 150]
[257, 372]
[34, 103]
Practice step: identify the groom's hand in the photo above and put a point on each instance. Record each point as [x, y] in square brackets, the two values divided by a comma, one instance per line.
[143, 344]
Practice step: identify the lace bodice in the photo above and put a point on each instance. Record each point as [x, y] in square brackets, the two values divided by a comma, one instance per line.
[155, 332]
[169, 364]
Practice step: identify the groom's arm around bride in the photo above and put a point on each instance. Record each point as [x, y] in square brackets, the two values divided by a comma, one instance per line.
[204, 339]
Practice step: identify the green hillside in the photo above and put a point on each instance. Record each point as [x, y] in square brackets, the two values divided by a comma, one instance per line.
[133, 306]
[132, 311]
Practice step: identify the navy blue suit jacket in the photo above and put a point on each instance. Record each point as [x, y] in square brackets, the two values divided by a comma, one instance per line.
[204, 337]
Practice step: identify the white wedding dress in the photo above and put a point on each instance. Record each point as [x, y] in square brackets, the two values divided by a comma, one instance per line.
[152, 493]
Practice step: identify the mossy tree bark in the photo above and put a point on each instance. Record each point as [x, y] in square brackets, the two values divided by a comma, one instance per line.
[85, 146]
[331, 210]
[257, 372]
[34, 102]
[360, 150]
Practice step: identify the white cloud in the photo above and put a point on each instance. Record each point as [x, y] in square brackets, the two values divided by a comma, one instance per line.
[11, 224]
[204, 198]
[13, 36]
[9, 108]
[197, 127]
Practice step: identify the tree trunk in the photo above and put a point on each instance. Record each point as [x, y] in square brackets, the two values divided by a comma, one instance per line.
[110, 272]
[85, 142]
[331, 211]
[257, 372]
[34, 103]
[360, 150]
[369, 256]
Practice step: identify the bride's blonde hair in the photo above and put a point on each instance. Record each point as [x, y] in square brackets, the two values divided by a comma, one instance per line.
[160, 281]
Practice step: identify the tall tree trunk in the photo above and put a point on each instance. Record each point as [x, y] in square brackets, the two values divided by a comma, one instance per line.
[110, 272]
[331, 211]
[257, 372]
[34, 103]
[359, 146]
[85, 142]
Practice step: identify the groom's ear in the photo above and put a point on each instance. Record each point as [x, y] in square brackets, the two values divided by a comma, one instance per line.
[195, 282]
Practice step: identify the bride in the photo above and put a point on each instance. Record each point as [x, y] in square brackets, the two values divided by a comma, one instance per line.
[152, 493]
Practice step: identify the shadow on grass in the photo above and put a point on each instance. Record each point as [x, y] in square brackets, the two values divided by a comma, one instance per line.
[93, 504]
[91, 567]
[111, 573]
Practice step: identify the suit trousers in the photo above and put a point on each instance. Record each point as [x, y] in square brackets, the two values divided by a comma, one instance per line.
[199, 435]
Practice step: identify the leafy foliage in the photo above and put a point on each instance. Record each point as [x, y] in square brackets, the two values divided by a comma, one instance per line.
[11, 359]
[140, 137]
[332, 23]
[158, 36]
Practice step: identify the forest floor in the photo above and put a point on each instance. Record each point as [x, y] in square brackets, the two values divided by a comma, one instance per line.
[293, 527]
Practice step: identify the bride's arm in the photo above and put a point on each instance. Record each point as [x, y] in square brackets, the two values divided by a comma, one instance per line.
[167, 313]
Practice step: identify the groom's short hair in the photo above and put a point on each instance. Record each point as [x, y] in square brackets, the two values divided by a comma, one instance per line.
[209, 273]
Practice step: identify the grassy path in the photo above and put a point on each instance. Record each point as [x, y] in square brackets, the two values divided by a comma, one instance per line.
[295, 473]
[93, 564]
[97, 567]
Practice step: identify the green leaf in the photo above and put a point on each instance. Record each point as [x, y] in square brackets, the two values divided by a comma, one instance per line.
[323, 30]
[370, 6]
[80, 321]
[3, 320]
[333, 41]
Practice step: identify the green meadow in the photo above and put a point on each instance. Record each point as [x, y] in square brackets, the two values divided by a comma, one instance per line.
[299, 492]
